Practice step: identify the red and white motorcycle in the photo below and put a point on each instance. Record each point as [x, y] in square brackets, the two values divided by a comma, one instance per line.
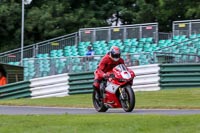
[116, 92]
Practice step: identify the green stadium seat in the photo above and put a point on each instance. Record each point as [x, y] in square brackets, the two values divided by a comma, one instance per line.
[14, 63]
[193, 36]
[118, 41]
[77, 68]
[168, 41]
[149, 49]
[176, 51]
[147, 45]
[142, 40]
[162, 45]
[127, 41]
[192, 58]
[176, 37]
[139, 50]
[140, 45]
[132, 50]
[193, 50]
[53, 53]
[149, 39]
[133, 40]
[198, 53]
[126, 49]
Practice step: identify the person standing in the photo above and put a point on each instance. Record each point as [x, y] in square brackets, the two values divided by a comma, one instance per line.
[3, 80]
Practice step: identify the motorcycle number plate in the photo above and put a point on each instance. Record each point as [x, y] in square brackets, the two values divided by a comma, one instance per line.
[112, 88]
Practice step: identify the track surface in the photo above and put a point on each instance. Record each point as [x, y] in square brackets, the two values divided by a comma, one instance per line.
[25, 110]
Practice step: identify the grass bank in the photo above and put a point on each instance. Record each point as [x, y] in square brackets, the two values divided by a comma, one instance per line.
[168, 99]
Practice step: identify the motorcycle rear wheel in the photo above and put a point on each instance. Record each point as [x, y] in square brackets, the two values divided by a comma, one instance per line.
[97, 102]
[128, 103]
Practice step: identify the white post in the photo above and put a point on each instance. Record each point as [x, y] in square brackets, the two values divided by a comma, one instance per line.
[22, 34]
[22, 29]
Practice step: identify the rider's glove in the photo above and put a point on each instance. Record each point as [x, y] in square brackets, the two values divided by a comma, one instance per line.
[106, 76]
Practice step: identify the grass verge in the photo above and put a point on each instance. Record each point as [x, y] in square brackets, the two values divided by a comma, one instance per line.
[168, 99]
[100, 124]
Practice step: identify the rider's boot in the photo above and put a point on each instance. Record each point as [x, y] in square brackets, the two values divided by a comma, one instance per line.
[99, 92]
[102, 89]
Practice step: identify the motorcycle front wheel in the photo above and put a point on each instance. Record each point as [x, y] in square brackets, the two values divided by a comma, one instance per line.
[97, 102]
[127, 98]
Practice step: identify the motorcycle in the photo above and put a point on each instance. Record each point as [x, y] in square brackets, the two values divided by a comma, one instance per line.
[116, 91]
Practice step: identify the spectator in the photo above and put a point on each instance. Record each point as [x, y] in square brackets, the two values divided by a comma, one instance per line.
[136, 63]
[90, 51]
[3, 79]
[128, 60]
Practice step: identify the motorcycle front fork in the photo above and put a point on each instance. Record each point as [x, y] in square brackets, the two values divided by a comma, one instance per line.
[121, 91]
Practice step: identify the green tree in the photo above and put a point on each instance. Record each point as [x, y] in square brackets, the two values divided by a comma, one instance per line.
[51, 18]
[9, 21]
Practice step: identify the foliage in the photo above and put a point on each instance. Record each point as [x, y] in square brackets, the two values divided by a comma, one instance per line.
[51, 18]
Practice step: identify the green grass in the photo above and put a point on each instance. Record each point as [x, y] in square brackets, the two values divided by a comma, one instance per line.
[168, 99]
[108, 123]
[101, 123]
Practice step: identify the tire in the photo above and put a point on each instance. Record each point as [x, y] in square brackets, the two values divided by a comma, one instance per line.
[97, 102]
[128, 103]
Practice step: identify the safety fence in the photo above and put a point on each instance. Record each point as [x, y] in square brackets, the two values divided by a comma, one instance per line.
[179, 76]
[50, 86]
[147, 79]
[15, 90]
[81, 82]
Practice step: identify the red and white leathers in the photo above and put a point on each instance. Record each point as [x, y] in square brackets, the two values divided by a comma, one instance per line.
[105, 65]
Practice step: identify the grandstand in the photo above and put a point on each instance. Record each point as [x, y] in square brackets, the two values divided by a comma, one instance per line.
[67, 53]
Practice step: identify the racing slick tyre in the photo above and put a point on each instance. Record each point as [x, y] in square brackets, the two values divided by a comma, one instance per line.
[98, 102]
[127, 98]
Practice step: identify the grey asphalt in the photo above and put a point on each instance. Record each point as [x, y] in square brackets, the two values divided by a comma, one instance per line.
[29, 110]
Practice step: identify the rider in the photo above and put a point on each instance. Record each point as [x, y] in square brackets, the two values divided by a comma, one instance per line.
[108, 62]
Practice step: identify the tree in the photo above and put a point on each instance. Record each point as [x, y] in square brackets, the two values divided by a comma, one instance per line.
[51, 18]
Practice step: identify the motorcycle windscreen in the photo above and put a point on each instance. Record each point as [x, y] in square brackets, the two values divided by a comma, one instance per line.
[123, 71]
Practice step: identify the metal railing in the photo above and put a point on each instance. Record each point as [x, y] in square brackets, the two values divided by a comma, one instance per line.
[42, 47]
[40, 67]
[122, 32]
[164, 36]
[186, 27]
[192, 42]
[164, 58]
[87, 34]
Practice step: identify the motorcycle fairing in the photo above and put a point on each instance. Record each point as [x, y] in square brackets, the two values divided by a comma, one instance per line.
[126, 75]
[112, 88]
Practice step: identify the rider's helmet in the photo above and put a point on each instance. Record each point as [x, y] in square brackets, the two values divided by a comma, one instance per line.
[115, 53]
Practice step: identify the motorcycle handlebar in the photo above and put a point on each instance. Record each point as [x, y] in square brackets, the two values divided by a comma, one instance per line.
[112, 75]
